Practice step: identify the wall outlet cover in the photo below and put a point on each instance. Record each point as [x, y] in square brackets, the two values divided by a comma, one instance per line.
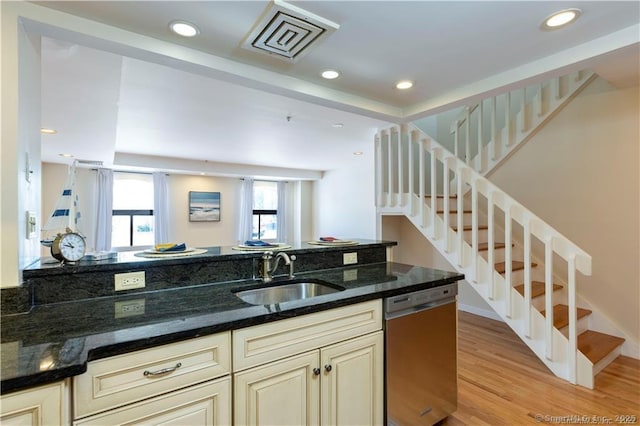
[350, 258]
[129, 280]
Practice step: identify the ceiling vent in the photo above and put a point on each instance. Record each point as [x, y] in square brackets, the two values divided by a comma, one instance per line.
[288, 32]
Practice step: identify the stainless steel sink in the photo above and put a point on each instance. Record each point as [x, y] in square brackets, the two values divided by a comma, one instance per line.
[286, 291]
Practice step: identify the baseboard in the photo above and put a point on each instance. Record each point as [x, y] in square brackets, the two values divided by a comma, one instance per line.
[478, 311]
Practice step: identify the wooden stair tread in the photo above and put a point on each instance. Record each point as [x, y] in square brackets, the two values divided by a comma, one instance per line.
[561, 315]
[516, 265]
[485, 246]
[537, 288]
[595, 345]
[469, 228]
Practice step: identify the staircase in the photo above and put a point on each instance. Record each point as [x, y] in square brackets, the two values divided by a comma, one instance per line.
[485, 134]
[522, 267]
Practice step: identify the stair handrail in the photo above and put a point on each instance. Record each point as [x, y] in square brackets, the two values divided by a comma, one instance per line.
[566, 248]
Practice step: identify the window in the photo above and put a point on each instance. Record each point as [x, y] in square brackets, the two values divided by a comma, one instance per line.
[132, 221]
[265, 210]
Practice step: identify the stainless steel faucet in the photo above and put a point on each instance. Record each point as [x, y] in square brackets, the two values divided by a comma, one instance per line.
[267, 269]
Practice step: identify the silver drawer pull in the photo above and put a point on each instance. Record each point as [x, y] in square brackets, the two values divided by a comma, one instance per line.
[163, 371]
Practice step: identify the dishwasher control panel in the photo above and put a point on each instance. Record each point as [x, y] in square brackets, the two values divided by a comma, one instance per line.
[419, 298]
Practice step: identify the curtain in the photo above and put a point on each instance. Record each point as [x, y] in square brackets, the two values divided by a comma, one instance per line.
[245, 222]
[104, 209]
[160, 208]
[282, 212]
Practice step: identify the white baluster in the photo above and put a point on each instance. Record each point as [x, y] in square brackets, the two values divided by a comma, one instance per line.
[389, 170]
[456, 139]
[491, 245]
[459, 216]
[474, 229]
[507, 258]
[400, 199]
[434, 207]
[378, 171]
[527, 276]
[445, 194]
[548, 297]
[523, 111]
[467, 143]
[573, 319]
[421, 183]
[556, 88]
[494, 129]
[507, 109]
[411, 172]
[539, 103]
[480, 129]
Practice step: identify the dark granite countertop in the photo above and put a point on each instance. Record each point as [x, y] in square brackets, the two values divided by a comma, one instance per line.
[54, 341]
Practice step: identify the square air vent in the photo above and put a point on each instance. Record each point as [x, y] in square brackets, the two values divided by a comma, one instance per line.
[287, 32]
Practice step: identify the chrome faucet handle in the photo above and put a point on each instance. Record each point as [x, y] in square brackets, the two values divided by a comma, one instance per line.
[293, 258]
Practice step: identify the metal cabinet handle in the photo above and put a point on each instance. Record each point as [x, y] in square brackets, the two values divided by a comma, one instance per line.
[327, 367]
[163, 371]
[316, 371]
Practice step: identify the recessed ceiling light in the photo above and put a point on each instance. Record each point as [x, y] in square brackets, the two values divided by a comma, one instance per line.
[358, 153]
[337, 125]
[183, 28]
[404, 85]
[48, 131]
[330, 74]
[560, 19]
[66, 155]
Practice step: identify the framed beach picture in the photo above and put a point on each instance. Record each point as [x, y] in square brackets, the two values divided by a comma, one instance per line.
[204, 206]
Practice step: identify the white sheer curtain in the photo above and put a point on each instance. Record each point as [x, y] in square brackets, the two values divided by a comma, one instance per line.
[245, 222]
[160, 208]
[104, 209]
[282, 212]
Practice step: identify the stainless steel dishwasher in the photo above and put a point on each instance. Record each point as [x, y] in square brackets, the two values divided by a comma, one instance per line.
[420, 356]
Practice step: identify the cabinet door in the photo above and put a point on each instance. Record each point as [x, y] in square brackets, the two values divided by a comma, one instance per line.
[285, 392]
[207, 404]
[353, 382]
[39, 406]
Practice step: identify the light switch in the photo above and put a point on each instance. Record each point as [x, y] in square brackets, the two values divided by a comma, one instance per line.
[31, 224]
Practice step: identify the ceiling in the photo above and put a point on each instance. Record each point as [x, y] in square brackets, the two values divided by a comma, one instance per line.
[209, 100]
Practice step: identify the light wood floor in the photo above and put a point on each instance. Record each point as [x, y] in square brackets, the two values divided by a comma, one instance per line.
[501, 382]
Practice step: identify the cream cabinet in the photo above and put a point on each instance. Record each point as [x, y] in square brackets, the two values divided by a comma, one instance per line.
[329, 384]
[168, 384]
[44, 405]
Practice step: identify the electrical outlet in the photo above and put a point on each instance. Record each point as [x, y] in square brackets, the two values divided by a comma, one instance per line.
[349, 258]
[129, 280]
[129, 308]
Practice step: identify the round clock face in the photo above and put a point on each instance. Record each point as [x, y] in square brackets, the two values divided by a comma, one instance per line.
[69, 247]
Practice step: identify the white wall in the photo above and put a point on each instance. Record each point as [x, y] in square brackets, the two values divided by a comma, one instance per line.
[344, 204]
[580, 173]
[20, 137]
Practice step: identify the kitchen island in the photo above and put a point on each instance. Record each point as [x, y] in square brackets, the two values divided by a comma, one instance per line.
[75, 326]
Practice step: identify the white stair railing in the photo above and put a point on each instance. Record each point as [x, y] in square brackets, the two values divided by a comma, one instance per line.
[406, 156]
[485, 133]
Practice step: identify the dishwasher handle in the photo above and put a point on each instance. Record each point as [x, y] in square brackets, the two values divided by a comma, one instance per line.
[419, 308]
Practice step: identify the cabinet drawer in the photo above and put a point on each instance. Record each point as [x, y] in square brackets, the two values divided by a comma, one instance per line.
[206, 404]
[264, 343]
[123, 379]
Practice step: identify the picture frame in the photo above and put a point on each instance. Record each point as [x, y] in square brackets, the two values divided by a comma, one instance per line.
[204, 206]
